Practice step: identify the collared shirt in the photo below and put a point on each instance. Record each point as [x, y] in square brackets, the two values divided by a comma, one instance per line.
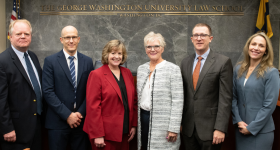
[75, 62]
[21, 57]
[204, 57]
[145, 102]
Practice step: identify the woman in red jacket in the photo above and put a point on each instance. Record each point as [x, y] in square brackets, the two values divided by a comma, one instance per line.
[111, 109]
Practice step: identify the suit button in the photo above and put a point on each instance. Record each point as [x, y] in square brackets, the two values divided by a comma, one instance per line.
[34, 100]
[195, 98]
[35, 114]
[244, 105]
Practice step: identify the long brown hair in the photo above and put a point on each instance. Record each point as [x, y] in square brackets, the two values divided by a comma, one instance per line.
[267, 59]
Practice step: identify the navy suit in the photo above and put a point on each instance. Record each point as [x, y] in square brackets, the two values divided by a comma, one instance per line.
[59, 92]
[254, 104]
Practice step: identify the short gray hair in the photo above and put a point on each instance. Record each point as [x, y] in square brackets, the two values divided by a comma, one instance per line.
[154, 36]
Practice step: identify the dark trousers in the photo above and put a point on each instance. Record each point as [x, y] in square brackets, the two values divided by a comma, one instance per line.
[145, 121]
[35, 144]
[195, 143]
[76, 137]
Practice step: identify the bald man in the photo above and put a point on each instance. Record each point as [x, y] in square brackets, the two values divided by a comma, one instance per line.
[64, 88]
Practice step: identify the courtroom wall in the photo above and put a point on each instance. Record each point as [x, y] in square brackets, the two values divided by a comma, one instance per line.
[230, 32]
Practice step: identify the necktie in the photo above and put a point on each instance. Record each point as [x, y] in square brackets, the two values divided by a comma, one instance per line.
[35, 84]
[72, 70]
[196, 72]
[73, 76]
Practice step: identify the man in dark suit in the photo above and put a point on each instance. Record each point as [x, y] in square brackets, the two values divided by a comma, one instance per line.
[20, 91]
[207, 80]
[65, 77]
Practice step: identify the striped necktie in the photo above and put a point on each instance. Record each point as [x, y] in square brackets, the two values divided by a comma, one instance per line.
[73, 76]
[72, 71]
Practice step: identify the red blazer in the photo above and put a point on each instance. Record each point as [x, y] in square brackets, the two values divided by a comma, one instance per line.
[104, 104]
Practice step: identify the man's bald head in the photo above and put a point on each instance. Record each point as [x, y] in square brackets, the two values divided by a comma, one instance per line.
[67, 29]
[70, 39]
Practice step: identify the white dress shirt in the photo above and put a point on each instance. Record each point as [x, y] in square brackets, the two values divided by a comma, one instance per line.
[145, 102]
[245, 81]
[21, 57]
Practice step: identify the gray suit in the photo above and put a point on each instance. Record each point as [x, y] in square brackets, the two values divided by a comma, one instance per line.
[207, 108]
[254, 104]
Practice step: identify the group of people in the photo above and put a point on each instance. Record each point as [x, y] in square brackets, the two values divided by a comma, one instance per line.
[102, 107]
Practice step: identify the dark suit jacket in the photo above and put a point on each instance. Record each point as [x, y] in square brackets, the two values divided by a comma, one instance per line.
[208, 107]
[17, 106]
[58, 89]
[105, 110]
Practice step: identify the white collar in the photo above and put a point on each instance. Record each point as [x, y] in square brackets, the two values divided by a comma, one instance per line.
[20, 54]
[67, 55]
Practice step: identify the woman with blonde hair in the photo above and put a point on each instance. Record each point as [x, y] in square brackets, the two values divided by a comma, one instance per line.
[255, 94]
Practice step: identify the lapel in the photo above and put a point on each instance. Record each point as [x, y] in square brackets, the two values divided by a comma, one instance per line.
[190, 69]
[241, 83]
[111, 79]
[81, 63]
[207, 64]
[63, 63]
[252, 78]
[19, 66]
[37, 65]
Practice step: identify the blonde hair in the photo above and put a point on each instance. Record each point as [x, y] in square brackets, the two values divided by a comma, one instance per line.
[267, 59]
[154, 36]
[12, 24]
[113, 45]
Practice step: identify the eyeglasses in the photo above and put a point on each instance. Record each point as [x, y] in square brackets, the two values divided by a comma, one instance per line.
[156, 47]
[202, 36]
[68, 38]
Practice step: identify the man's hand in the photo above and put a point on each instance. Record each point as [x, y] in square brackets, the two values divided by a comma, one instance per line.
[10, 137]
[74, 119]
[171, 137]
[132, 133]
[218, 137]
[99, 142]
[79, 115]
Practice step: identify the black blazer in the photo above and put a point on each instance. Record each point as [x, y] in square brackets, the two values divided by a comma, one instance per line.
[17, 106]
[208, 107]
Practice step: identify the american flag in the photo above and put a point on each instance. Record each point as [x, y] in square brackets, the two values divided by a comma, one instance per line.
[15, 13]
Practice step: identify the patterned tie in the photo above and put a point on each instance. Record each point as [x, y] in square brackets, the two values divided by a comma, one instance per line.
[35, 84]
[73, 73]
[73, 76]
[196, 72]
